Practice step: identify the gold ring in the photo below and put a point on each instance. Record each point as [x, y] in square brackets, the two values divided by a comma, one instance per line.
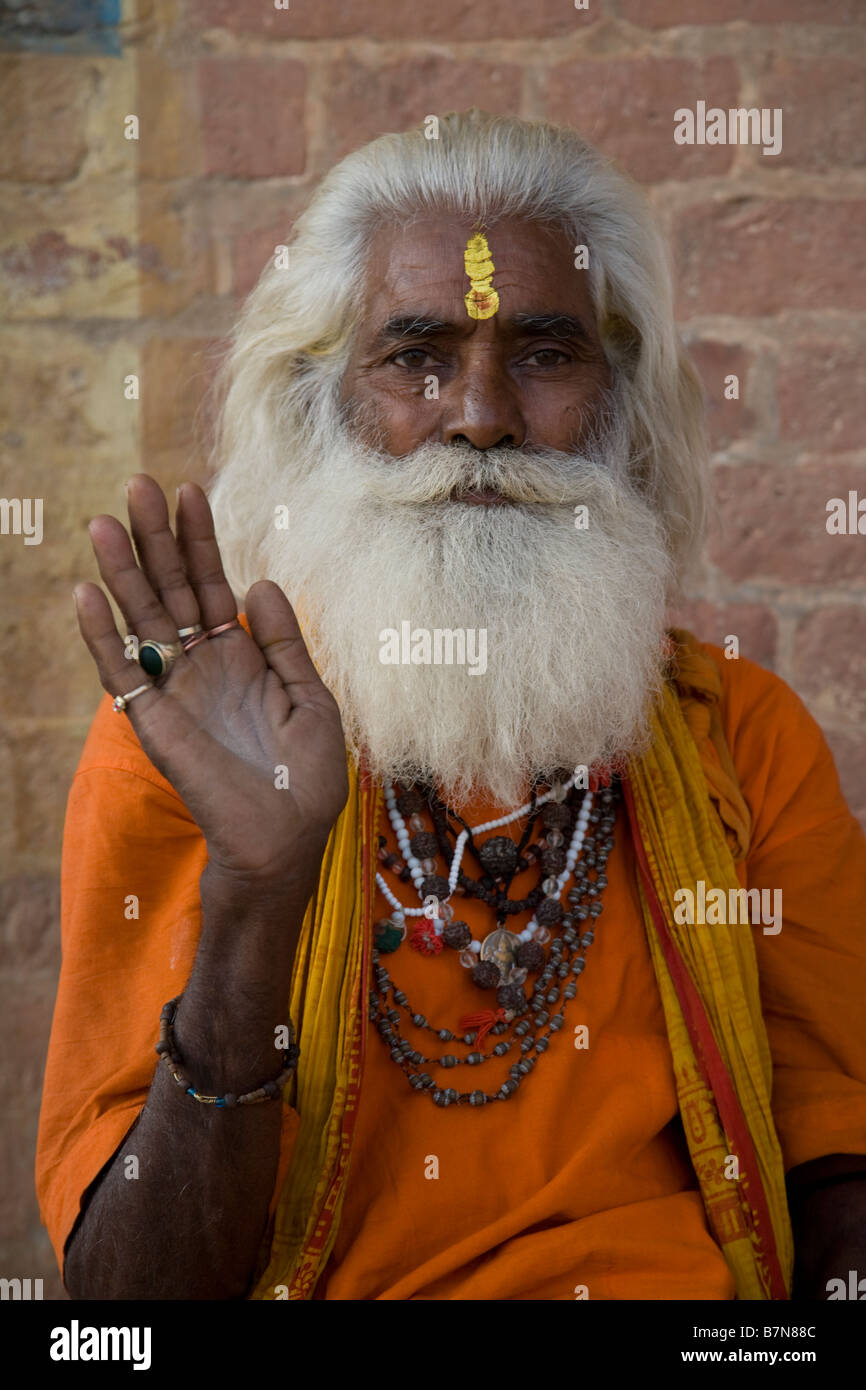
[157, 658]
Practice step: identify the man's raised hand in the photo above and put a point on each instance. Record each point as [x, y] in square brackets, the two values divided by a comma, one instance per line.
[232, 710]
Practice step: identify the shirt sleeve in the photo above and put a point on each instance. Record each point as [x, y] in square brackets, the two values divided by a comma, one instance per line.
[808, 858]
[130, 925]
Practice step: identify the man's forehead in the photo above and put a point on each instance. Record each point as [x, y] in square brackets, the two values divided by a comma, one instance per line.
[422, 263]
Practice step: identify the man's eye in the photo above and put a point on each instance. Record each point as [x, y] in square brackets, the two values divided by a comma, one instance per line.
[412, 357]
[547, 357]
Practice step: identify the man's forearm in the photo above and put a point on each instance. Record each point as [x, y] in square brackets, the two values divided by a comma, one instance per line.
[828, 1213]
[191, 1223]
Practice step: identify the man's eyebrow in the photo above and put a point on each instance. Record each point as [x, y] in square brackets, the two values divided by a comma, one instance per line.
[411, 326]
[422, 325]
[551, 325]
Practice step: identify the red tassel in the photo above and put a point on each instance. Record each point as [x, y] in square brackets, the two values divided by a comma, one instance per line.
[599, 778]
[483, 1022]
[424, 939]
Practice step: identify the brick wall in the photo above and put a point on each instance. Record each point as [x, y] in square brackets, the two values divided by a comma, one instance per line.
[121, 257]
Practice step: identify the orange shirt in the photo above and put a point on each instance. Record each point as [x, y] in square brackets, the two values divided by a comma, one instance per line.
[579, 1181]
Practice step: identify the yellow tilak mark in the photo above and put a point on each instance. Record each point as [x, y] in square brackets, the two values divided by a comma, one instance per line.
[481, 299]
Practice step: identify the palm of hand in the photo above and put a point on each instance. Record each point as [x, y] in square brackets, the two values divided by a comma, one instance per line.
[241, 725]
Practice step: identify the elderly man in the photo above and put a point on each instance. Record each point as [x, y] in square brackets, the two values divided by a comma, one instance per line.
[487, 940]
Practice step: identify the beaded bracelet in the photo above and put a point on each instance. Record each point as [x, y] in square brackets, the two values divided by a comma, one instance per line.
[271, 1090]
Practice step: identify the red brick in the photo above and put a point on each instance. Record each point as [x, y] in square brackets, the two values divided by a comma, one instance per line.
[30, 917]
[363, 101]
[38, 623]
[175, 375]
[656, 14]
[231, 237]
[823, 105]
[77, 252]
[771, 523]
[27, 1003]
[821, 387]
[49, 262]
[395, 19]
[830, 664]
[850, 757]
[44, 109]
[727, 420]
[47, 393]
[18, 1206]
[55, 260]
[43, 765]
[755, 257]
[627, 108]
[252, 113]
[754, 625]
[171, 133]
[253, 250]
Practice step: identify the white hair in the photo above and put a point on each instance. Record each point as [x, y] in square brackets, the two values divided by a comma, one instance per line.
[568, 622]
[292, 341]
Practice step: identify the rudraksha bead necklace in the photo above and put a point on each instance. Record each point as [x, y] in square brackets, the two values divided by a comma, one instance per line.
[423, 870]
[499, 857]
[565, 958]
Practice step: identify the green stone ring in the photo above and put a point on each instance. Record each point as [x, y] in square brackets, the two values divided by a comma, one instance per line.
[157, 658]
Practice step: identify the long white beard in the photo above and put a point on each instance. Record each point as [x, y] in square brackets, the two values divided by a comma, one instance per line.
[574, 618]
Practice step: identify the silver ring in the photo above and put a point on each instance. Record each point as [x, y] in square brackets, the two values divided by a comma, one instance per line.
[121, 701]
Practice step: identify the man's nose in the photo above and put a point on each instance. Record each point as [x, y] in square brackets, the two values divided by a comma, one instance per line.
[480, 404]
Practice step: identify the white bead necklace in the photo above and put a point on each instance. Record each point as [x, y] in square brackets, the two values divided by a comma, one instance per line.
[432, 908]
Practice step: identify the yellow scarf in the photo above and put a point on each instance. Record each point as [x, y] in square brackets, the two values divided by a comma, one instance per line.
[689, 823]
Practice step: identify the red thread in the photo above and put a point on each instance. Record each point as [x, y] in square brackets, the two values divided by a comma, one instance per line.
[599, 777]
[425, 940]
[483, 1022]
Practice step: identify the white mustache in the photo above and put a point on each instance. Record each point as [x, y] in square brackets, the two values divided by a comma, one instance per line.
[435, 472]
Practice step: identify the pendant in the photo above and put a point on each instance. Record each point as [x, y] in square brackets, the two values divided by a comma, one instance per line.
[501, 948]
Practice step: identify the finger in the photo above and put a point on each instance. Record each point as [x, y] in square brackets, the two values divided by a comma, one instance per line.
[158, 552]
[275, 629]
[201, 557]
[117, 674]
[127, 584]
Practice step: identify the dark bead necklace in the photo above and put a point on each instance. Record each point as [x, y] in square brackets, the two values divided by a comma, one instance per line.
[497, 862]
[523, 1019]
